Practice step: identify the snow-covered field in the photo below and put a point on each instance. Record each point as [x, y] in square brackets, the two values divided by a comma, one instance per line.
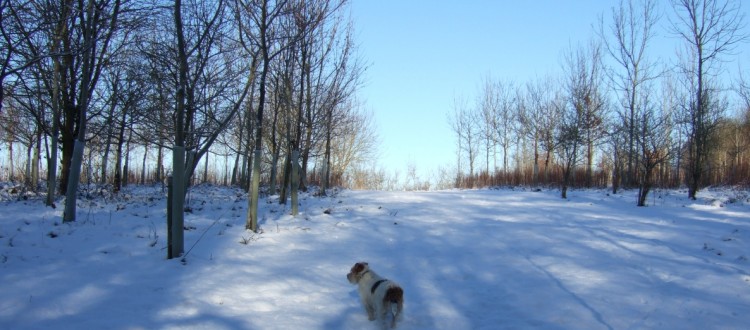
[484, 259]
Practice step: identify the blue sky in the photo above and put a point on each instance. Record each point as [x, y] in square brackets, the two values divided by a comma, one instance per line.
[422, 54]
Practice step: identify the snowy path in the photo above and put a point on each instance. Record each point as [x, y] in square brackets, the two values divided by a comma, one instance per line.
[466, 259]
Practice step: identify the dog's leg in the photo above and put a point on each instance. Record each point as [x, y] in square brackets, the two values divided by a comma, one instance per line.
[370, 310]
[382, 316]
[387, 309]
[397, 313]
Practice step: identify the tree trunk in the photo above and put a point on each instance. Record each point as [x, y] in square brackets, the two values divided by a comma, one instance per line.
[170, 212]
[252, 221]
[29, 160]
[285, 180]
[11, 174]
[225, 181]
[235, 168]
[52, 159]
[159, 161]
[205, 169]
[327, 174]
[176, 227]
[244, 171]
[108, 137]
[177, 203]
[143, 163]
[295, 182]
[118, 177]
[645, 186]
[36, 160]
[589, 164]
[126, 167]
[69, 214]
[536, 162]
[274, 170]
[616, 172]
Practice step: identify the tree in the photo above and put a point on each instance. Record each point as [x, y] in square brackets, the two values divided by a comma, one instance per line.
[653, 141]
[743, 89]
[344, 72]
[19, 25]
[211, 85]
[489, 105]
[581, 122]
[710, 29]
[539, 118]
[97, 24]
[506, 120]
[258, 28]
[464, 125]
[45, 55]
[22, 121]
[127, 88]
[632, 28]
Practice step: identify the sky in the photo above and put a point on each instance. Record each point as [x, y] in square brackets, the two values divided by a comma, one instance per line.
[422, 54]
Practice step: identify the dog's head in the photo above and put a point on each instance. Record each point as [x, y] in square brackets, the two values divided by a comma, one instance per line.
[355, 274]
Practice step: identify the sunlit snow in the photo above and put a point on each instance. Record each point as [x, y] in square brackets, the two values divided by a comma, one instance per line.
[482, 259]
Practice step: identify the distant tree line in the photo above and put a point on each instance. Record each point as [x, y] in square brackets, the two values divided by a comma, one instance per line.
[632, 123]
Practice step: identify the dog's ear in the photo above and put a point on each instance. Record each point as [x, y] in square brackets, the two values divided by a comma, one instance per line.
[359, 267]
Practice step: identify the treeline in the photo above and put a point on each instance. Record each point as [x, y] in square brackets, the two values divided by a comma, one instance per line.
[113, 91]
[615, 116]
[115, 86]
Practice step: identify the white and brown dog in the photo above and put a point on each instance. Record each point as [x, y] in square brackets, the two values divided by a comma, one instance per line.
[380, 296]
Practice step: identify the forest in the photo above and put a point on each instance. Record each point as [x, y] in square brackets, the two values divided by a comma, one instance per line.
[265, 93]
[617, 117]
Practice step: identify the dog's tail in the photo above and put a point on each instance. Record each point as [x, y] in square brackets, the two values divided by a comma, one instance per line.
[394, 299]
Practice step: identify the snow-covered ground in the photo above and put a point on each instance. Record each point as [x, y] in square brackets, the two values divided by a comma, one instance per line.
[484, 259]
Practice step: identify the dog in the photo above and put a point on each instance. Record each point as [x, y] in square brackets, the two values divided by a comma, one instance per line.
[379, 296]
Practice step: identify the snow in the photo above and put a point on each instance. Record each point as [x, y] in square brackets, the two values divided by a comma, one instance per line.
[467, 259]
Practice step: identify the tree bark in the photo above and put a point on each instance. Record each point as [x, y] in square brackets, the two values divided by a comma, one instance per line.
[178, 150]
[295, 182]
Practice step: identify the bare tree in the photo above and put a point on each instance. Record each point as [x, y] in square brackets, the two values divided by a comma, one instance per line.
[128, 87]
[616, 148]
[464, 125]
[539, 119]
[496, 119]
[211, 86]
[42, 75]
[98, 23]
[632, 28]
[20, 24]
[733, 144]
[653, 141]
[355, 142]
[568, 140]
[489, 105]
[581, 122]
[258, 28]
[595, 108]
[506, 119]
[345, 78]
[710, 29]
[743, 89]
